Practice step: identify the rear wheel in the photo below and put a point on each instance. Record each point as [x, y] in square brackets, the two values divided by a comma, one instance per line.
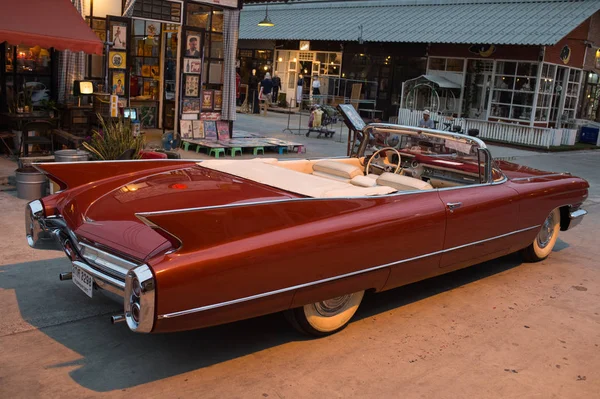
[326, 317]
[544, 242]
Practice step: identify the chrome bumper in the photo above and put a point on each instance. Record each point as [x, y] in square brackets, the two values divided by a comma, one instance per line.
[575, 217]
[109, 272]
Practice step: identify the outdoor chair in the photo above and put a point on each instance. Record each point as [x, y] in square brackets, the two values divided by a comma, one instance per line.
[43, 131]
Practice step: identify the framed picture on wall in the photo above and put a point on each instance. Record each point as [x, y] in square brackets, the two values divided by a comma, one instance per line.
[198, 129]
[118, 35]
[192, 84]
[191, 105]
[192, 46]
[207, 100]
[117, 59]
[118, 83]
[191, 65]
[218, 100]
[210, 130]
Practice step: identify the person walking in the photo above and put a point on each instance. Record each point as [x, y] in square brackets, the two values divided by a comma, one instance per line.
[266, 88]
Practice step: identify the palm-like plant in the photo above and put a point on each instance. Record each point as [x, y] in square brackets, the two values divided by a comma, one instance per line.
[114, 139]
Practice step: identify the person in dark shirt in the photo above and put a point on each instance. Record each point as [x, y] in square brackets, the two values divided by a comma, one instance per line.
[276, 87]
[266, 88]
[253, 88]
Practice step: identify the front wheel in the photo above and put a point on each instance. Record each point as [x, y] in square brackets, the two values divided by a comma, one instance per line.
[544, 242]
[326, 317]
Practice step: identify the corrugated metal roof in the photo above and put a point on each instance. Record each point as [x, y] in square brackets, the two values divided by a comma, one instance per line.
[505, 22]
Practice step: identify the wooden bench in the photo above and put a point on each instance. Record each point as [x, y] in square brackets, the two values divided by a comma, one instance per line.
[62, 136]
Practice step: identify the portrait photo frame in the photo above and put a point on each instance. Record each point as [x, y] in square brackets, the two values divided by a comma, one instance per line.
[192, 45]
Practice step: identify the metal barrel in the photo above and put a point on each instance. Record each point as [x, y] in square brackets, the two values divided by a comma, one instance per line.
[31, 184]
[71, 156]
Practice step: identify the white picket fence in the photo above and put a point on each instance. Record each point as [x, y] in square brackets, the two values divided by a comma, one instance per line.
[498, 131]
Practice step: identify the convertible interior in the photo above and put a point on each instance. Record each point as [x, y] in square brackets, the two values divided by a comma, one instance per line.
[408, 161]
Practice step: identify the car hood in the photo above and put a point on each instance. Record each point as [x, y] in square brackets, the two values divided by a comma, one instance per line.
[110, 220]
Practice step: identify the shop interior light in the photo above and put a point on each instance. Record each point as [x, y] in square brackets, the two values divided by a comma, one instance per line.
[266, 21]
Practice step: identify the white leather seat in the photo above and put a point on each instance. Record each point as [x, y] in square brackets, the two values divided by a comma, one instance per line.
[336, 170]
[402, 183]
[363, 181]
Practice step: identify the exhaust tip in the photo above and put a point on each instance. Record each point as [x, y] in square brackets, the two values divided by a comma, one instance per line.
[65, 276]
[117, 318]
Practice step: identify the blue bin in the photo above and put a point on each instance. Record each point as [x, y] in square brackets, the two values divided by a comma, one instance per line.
[589, 135]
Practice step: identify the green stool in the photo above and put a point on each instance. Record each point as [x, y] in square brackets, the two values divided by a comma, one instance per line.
[217, 152]
[257, 149]
[198, 146]
[186, 145]
[234, 150]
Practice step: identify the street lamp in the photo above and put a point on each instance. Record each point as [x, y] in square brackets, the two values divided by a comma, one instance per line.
[266, 21]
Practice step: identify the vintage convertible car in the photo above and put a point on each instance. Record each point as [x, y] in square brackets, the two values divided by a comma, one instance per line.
[191, 244]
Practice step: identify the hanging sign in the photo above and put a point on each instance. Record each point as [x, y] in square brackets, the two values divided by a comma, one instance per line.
[565, 54]
[304, 45]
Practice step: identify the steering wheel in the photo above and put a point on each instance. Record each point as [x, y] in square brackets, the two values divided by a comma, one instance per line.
[385, 168]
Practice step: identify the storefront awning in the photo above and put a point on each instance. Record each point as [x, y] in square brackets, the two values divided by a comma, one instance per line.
[46, 24]
[509, 22]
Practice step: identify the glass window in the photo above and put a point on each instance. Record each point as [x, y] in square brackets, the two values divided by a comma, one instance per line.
[198, 16]
[454, 65]
[32, 60]
[506, 68]
[437, 64]
[216, 46]
[217, 21]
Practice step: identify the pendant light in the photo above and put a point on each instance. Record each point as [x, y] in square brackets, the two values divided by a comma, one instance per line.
[266, 21]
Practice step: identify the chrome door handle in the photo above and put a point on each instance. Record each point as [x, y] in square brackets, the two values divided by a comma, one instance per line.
[453, 205]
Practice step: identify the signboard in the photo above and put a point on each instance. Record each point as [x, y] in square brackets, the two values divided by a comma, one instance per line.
[222, 3]
[158, 10]
[351, 117]
[304, 45]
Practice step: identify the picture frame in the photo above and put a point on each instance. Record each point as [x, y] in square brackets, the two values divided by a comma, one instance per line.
[190, 105]
[207, 100]
[198, 129]
[118, 83]
[186, 130]
[192, 85]
[192, 65]
[218, 100]
[118, 35]
[223, 130]
[210, 130]
[117, 59]
[192, 46]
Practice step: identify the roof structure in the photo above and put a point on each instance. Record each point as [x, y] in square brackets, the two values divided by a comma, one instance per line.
[424, 21]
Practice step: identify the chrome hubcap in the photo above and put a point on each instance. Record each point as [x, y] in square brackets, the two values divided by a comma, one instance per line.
[547, 231]
[333, 306]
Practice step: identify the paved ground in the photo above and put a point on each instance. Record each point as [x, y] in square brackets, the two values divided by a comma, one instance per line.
[497, 330]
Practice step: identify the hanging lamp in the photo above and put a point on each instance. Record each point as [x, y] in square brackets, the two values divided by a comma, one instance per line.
[266, 21]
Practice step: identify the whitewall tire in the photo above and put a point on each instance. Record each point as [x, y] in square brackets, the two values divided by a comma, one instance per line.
[325, 317]
[544, 242]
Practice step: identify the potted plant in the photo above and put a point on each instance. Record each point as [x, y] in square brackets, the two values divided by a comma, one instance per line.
[114, 139]
[49, 106]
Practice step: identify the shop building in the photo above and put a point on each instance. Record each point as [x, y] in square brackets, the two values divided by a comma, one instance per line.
[526, 62]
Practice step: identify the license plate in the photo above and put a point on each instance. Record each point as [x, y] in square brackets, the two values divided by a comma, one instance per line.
[83, 280]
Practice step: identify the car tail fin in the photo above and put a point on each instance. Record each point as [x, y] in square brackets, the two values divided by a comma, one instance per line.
[68, 175]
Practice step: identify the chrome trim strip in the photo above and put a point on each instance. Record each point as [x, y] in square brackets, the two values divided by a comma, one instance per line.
[96, 274]
[529, 178]
[295, 287]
